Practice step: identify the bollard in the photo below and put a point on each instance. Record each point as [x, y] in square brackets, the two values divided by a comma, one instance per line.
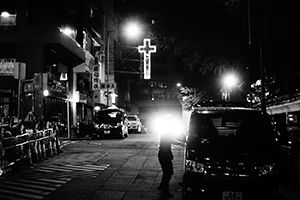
[54, 146]
[58, 145]
[39, 149]
[50, 148]
[35, 156]
[29, 158]
[43, 149]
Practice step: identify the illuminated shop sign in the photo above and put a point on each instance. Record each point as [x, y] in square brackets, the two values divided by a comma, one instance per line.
[7, 19]
[147, 49]
[7, 67]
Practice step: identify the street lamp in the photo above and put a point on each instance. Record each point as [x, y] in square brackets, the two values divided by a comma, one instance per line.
[131, 29]
[5, 14]
[107, 64]
[229, 81]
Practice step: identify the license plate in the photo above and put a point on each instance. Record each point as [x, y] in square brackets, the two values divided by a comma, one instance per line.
[232, 195]
[106, 132]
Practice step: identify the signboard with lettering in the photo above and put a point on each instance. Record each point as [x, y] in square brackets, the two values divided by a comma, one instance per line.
[28, 86]
[96, 77]
[9, 67]
[108, 85]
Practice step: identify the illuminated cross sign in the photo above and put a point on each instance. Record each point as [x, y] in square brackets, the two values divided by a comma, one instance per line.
[147, 49]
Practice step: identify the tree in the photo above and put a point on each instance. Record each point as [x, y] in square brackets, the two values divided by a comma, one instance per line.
[189, 97]
[205, 34]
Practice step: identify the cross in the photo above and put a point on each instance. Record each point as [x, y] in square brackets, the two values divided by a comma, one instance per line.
[147, 49]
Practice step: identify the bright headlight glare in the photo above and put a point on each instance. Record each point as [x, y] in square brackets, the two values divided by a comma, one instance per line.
[167, 125]
[267, 169]
[193, 166]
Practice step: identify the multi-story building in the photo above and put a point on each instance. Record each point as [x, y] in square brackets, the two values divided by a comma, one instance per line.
[58, 46]
[159, 95]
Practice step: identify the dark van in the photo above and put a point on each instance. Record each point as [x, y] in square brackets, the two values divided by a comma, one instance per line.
[231, 153]
[110, 123]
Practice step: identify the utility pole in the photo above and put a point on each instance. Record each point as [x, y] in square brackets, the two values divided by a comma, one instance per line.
[107, 67]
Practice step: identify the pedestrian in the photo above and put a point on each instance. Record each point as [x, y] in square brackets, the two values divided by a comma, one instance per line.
[165, 157]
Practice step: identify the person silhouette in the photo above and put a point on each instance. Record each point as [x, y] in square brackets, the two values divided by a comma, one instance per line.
[165, 157]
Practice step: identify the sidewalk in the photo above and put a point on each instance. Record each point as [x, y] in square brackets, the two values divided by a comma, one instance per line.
[139, 177]
[287, 193]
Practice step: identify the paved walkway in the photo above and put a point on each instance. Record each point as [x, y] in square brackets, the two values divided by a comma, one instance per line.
[139, 177]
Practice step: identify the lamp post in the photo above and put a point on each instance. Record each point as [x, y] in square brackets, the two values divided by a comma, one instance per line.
[133, 30]
[107, 66]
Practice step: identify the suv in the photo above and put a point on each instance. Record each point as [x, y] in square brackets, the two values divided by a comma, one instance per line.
[230, 154]
[110, 123]
[134, 123]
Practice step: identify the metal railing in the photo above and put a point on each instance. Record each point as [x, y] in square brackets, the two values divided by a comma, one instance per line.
[31, 146]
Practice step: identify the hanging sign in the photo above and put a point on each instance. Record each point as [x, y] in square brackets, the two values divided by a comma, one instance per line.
[96, 77]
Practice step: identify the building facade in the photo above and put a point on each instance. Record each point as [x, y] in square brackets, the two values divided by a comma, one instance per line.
[60, 47]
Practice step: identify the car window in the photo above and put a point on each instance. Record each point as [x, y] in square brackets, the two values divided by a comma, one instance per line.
[107, 116]
[239, 125]
[131, 118]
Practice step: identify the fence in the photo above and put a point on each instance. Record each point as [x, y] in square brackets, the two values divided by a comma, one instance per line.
[32, 146]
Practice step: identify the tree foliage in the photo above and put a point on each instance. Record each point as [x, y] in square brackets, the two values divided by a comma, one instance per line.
[189, 96]
[205, 34]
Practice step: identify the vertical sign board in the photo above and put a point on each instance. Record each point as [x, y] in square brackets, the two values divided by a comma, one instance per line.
[9, 67]
[45, 81]
[141, 67]
[147, 49]
[96, 77]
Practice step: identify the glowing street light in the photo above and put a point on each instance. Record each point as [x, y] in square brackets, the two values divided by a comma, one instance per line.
[5, 14]
[229, 81]
[133, 30]
[68, 31]
[7, 19]
[46, 93]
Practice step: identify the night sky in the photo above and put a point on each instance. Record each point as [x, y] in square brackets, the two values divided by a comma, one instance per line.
[212, 37]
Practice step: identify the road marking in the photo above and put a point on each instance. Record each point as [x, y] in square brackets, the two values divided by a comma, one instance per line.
[36, 183]
[22, 189]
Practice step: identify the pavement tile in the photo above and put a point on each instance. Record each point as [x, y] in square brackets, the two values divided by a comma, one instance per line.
[140, 195]
[108, 195]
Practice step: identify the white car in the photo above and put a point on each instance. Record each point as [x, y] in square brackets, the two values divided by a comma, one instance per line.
[134, 123]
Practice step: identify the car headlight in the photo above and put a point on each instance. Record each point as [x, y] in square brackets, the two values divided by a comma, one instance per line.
[267, 169]
[168, 125]
[194, 166]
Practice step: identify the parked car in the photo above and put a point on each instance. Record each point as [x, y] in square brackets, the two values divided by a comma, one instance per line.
[110, 123]
[230, 154]
[134, 124]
